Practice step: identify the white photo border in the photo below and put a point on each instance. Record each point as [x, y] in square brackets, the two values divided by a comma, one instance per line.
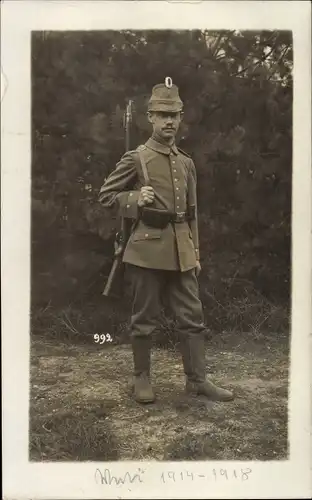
[22, 479]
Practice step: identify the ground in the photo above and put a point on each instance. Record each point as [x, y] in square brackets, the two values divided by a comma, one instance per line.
[81, 409]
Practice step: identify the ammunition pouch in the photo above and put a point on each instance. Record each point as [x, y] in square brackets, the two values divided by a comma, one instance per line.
[160, 219]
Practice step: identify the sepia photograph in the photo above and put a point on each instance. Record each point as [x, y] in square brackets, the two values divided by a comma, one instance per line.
[160, 244]
[156, 234]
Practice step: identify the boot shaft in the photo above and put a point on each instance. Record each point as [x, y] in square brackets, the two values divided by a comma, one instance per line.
[141, 349]
[194, 361]
[142, 389]
[193, 356]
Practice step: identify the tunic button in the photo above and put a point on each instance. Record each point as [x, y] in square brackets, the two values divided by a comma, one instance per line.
[128, 206]
[178, 206]
[174, 169]
[130, 194]
[173, 161]
[178, 197]
[176, 179]
[146, 235]
[177, 189]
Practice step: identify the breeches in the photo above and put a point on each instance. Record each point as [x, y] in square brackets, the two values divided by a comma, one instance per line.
[176, 290]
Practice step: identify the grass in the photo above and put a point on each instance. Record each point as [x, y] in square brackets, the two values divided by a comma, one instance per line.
[81, 409]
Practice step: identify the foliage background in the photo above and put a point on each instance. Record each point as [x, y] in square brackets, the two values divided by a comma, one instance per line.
[237, 90]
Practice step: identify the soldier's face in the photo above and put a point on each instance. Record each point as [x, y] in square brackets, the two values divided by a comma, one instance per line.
[165, 124]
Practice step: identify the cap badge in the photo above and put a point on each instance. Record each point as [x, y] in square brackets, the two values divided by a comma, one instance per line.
[168, 82]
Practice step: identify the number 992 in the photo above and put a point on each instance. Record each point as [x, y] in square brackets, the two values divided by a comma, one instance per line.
[102, 338]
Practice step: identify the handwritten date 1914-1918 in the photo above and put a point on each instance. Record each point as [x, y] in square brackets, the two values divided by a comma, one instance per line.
[239, 474]
[214, 475]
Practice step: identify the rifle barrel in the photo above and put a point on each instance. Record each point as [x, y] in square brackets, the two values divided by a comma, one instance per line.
[118, 254]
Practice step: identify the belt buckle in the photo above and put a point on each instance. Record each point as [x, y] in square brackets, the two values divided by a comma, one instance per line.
[180, 216]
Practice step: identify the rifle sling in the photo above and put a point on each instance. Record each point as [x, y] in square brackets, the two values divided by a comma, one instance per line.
[146, 177]
[144, 169]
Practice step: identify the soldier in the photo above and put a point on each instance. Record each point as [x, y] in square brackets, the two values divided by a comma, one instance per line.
[155, 186]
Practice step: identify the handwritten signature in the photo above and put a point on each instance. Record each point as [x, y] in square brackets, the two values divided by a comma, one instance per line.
[105, 477]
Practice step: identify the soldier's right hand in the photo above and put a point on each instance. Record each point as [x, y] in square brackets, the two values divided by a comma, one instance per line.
[147, 196]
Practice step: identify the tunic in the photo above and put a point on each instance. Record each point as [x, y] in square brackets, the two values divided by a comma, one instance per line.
[172, 175]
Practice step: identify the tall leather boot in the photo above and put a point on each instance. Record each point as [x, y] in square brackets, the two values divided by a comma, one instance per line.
[193, 356]
[142, 389]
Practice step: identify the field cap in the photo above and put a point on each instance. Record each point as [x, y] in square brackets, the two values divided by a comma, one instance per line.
[165, 97]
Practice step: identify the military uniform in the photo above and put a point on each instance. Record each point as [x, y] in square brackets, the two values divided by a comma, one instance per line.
[173, 177]
[161, 260]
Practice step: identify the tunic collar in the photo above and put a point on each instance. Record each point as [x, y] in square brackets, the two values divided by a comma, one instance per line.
[161, 148]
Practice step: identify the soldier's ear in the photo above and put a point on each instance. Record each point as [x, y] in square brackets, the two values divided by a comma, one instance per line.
[150, 117]
[181, 115]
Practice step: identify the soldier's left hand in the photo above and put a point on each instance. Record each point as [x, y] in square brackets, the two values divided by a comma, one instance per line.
[198, 268]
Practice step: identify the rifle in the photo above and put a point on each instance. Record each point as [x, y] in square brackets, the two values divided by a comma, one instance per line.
[114, 282]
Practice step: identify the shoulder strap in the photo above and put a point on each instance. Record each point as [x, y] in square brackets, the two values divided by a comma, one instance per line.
[184, 157]
[140, 150]
[183, 152]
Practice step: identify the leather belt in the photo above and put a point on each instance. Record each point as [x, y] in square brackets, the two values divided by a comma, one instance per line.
[161, 218]
[179, 217]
